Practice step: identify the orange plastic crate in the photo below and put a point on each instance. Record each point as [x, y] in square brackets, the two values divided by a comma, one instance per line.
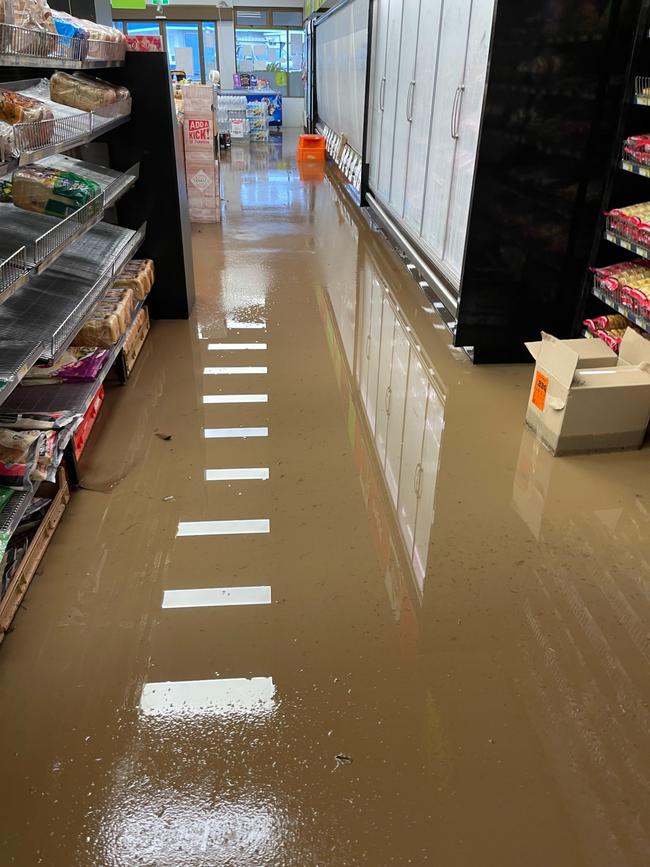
[311, 148]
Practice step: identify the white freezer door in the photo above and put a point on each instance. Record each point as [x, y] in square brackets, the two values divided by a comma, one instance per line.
[378, 82]
[364, 334]
[442, 144]
[414, 421]
[391, 73]
[426, 483]
[383, 382]
[394, 433]
[470, 111]
[426, 62]
[373, 350]
[404, 103]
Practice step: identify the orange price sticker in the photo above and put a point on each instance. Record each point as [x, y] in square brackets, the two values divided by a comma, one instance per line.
[539, 390]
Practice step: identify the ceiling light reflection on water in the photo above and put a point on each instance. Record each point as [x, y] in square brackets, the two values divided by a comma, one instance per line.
[220, 696]
[223, 528]
[235, 398]
[223, 371]
[228, 474]
[214, 597]
[215, 433]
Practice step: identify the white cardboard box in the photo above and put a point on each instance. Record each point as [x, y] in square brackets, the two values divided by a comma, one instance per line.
[585, 399]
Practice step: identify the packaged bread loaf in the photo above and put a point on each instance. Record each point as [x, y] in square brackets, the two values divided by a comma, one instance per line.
[83, 92]
[18, 109]
[137, 276]
[49, 191]
[108, 321]
[75, 35]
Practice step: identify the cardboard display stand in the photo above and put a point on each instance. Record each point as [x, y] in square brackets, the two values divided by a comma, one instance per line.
[201, 169]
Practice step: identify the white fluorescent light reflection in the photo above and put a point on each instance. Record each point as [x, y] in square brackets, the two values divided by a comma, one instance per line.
[235, 324]
[232, 474]
[212, 597]
[217, 433]
[236, 696]
[223, 528]
[218, 371]
[235, 398]
[219, 347]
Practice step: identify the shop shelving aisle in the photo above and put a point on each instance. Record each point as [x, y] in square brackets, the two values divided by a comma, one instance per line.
[53, 271]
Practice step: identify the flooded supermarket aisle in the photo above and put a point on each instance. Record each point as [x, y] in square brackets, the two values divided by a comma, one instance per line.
[322, 600]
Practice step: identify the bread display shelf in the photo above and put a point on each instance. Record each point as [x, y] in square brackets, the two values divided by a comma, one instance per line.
[73, 397]
[16, 591]
[70, 128]
[113, 184]
[21, 46]
[51, 308]
[30, 243]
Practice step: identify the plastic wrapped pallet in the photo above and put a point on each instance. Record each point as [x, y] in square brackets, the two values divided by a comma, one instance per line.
[83, 92]
[49, 191]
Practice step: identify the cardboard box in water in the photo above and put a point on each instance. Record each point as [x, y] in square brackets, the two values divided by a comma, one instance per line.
[583, 398]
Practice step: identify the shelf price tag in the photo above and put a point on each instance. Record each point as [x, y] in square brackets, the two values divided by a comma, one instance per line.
[540, 389]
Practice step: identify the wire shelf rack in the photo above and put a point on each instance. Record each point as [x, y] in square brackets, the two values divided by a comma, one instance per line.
[624, 303]
[112, 183]
[41, 239]
[14, 510]
[627, 236]
[20, 46]
[642, 90]
[15, 360]
[53, 306]
[73, 397]
[66, 129]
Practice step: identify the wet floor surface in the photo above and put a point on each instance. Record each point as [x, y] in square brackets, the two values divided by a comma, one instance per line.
[353, 549]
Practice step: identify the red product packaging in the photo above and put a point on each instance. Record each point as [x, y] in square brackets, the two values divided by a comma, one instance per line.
[144, 43]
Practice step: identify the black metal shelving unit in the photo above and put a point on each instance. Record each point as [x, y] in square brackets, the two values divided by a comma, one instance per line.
[52, 272]
[627, 183]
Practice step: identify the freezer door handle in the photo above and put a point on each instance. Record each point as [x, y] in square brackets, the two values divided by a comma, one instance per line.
[455, 112]
[409, 101]
[382, 91]
[368, 347]
[389, 391]
[418, 479]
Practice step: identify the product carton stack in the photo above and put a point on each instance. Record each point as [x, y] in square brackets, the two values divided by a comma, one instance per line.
[201, 168]
[584, 398]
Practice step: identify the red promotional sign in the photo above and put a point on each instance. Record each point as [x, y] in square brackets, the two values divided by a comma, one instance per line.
[198, 130]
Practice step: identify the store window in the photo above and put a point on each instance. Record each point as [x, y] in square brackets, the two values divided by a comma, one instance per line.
[269, 43]
[142, 28]
[183, 48]
[209, 48]
[191, 45]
